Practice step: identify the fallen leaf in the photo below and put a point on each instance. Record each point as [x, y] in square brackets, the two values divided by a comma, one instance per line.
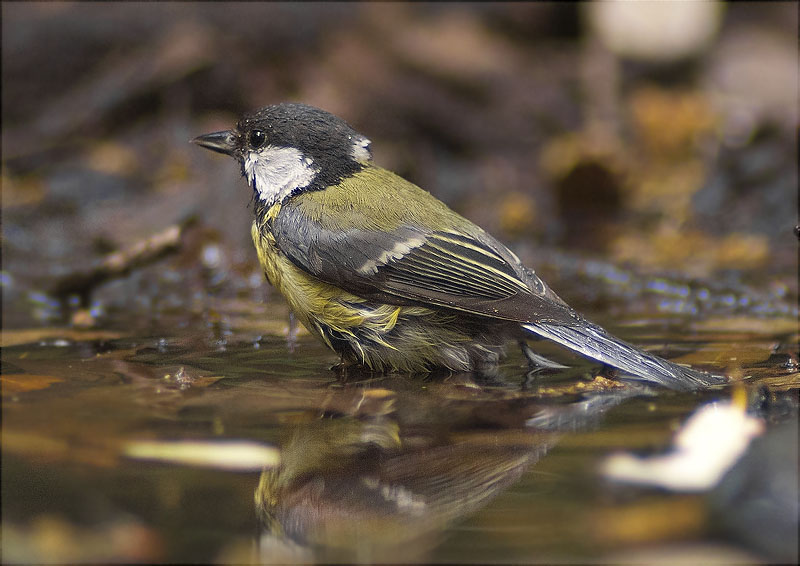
[14, 383]
[241, 456]
[34, 335]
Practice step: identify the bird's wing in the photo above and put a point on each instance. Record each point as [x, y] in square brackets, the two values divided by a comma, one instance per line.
[456, 269]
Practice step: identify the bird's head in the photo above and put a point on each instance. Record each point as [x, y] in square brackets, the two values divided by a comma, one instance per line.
[287, 148]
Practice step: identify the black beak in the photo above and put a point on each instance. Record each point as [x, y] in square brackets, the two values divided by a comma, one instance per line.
[221, 142]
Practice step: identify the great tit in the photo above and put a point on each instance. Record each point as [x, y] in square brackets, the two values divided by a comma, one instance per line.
[387, 275]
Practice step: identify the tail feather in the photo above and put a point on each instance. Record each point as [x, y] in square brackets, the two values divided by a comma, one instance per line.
[594, 342]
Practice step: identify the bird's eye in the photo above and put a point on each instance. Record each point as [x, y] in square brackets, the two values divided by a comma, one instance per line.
[257, 139]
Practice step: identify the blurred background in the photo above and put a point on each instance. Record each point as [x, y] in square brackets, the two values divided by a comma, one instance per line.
[660, 138]
[642, 157]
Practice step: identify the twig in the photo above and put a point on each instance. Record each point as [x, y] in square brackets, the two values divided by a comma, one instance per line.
[121, 263]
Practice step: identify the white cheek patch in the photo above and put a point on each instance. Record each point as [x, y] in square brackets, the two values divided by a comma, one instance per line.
[400, 249]
[360, 149]
[276, 172]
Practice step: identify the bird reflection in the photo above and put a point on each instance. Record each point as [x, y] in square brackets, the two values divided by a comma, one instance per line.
[376, 488]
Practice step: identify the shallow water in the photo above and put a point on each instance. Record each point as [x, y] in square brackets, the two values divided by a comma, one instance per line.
[372, 469]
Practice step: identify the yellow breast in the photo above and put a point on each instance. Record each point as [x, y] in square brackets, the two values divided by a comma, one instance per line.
[314, 302]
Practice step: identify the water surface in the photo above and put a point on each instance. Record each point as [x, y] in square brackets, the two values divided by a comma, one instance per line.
[452, 468]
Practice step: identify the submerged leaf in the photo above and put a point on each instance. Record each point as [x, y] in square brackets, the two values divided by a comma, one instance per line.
[21, 382]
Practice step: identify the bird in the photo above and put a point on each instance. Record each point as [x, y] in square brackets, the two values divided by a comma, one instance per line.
[387, 275]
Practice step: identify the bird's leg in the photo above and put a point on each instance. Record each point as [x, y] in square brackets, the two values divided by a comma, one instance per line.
[530, 378]
[342, 369]
[488, 375]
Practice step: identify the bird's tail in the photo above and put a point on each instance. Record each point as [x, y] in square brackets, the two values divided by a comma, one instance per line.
[594, 342]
